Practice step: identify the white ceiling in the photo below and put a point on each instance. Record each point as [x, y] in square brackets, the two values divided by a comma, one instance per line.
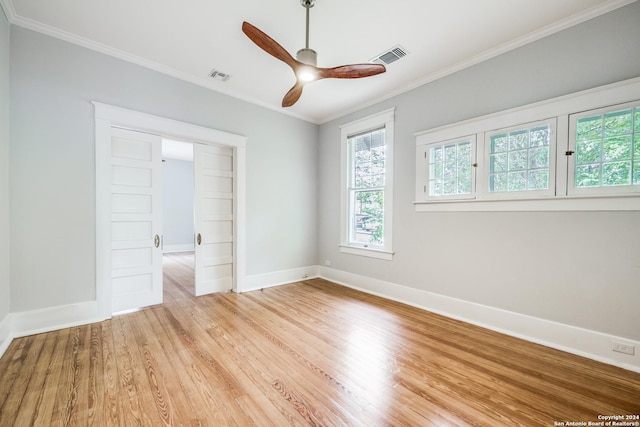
[189, 38]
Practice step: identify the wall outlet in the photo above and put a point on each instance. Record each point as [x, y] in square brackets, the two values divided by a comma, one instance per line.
[327, 262]
[623, 348]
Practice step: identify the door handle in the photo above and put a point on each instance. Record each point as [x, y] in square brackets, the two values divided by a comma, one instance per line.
[156, 241]
[199, 239]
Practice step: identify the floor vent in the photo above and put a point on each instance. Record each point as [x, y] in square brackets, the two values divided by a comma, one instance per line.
[219, 75]
[391, 55]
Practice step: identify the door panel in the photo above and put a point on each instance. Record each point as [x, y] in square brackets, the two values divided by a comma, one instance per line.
[136, 219]
[213, 211]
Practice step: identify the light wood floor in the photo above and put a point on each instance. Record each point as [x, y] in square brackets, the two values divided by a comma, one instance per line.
[310, 353]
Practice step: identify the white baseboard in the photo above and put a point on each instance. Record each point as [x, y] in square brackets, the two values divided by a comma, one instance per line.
[178, 248]
[582, 342]
[277, 278]
[22, 324]
[5, 334]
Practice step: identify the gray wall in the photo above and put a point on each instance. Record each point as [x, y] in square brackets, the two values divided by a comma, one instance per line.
[53, 171]
[4, 167]
[177, 202]
[577, 268]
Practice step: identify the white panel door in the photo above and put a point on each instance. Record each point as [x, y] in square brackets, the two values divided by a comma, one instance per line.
[213, 211]
[136, 219]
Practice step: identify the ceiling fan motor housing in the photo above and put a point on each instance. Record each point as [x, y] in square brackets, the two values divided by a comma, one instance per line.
[307, 56]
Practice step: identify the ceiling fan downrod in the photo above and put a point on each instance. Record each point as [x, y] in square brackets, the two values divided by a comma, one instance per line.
[306, 55]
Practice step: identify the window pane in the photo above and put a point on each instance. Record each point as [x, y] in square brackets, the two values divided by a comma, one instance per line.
[607, 149]
[368, 159]
[588, 152]
[498, 182]
[499, 143]
[589, 128]
[618, 148]
[519, 160]
[636, 154]
[587, 176]
[367, 227]
[450, 170]
[616, 173]
[517, 181]
[617, 123]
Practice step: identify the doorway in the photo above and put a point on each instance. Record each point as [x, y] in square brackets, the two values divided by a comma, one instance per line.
[219, 149]
[178, 227]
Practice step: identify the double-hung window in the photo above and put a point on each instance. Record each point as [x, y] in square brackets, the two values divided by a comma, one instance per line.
[367, 174]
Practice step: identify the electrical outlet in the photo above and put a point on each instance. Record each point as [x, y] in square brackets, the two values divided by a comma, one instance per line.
[623, 348]
[327, 262]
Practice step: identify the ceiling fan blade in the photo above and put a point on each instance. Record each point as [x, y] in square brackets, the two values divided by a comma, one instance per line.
[293, 95]
[268, 44]
[353, 71]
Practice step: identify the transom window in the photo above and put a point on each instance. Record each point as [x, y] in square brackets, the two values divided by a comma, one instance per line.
[606, 149]
[450, 166]
[519, 158]
[574, 152]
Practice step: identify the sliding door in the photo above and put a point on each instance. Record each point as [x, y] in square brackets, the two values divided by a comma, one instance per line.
[213, 211]
[136, 219]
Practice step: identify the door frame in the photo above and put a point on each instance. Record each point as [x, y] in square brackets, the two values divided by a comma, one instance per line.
[109, 116]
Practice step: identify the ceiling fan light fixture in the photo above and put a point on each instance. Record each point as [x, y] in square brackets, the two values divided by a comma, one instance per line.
[307, 56]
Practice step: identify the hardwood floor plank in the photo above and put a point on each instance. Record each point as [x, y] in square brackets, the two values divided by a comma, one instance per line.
[308, 353]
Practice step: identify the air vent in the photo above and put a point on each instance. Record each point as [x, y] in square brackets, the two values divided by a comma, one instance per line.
[219, 75]
[391, 55]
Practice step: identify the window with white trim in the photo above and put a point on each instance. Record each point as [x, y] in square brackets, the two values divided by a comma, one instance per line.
[605, 148]
[450, 169]
[575, 152]
[521, 160]
[367, 199]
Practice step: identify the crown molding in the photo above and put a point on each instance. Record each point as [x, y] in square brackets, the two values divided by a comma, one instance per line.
[531, 37]
[558, 26]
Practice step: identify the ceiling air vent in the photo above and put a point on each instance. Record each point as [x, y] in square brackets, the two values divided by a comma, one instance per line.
[391, 55]
[219, 75]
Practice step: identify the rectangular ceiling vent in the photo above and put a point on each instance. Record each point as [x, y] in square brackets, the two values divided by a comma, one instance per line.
[391, 55]
[219, 75]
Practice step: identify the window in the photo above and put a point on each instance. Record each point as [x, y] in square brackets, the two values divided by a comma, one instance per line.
[450, 168]
[521, 159]
[367, 153]
[575, 152]
[605, 148]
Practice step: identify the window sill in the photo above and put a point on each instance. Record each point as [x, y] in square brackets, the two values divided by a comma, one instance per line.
[551, 204]
[368, 252]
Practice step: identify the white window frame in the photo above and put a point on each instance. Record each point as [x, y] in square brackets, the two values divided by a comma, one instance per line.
[383, 119]
[524, 194]
[427, 163]
[564, 199]
[601, 190]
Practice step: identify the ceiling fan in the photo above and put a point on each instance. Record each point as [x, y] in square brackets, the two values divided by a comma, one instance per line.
[304, 65]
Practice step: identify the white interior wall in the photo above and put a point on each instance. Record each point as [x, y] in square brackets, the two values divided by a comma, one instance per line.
[53, 171]
[575, 268]
[4, 174]
[177, 203]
